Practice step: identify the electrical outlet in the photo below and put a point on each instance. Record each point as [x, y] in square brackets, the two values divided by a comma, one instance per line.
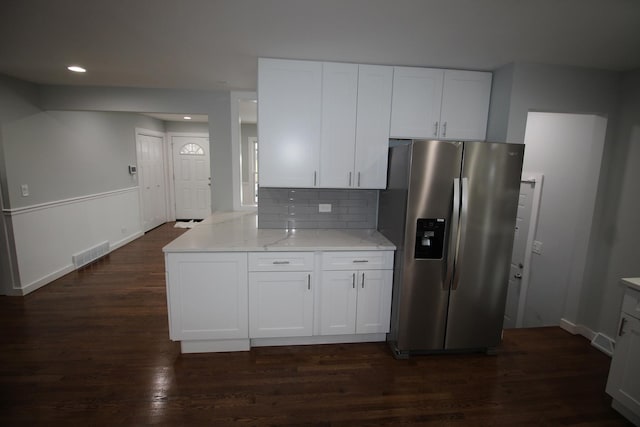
[537, 247]
[324, 207]
[24, 188]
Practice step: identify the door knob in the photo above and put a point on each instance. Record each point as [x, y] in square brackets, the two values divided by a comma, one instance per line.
[518, 276]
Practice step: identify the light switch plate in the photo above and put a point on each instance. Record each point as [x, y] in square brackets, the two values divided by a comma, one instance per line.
[324, 207]
[24, 188]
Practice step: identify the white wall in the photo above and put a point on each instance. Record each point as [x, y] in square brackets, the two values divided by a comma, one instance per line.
[215, 104]
[614, 234]
[18, 99]
[567, 149]
[81, 194]
[66, 154]
[618, 234]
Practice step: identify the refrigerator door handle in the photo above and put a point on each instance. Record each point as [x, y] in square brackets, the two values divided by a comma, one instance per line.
[462, 232]
[453, 236]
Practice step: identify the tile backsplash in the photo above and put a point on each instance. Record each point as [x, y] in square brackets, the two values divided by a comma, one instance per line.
[299, 208]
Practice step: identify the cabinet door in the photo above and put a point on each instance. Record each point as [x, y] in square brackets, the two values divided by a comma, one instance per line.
[339, 94]
[465, 105]
[415, 109]
[280, 304]
[624, 376]
[374, 301]
[373, 121]
[289, 108]
[207, 296]
[338, 295]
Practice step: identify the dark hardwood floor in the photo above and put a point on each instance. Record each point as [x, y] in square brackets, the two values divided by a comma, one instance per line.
[92, 349]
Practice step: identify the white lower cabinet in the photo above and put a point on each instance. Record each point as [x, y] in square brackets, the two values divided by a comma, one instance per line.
[207, 296]
[280, 294]
[355, 301]
[280, 304]
[229, 301]
[623, 384]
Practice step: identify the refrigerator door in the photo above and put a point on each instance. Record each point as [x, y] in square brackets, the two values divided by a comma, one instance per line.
[423, 293]
[490, 184]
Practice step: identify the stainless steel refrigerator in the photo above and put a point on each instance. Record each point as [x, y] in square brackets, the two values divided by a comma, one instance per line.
[450, 208]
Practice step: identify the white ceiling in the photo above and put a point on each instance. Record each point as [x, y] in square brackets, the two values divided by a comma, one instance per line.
[214, 44]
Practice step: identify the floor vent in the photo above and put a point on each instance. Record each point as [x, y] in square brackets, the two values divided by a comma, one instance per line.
[603, 343]
[89, 255]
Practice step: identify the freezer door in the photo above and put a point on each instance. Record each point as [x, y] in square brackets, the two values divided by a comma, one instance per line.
[490, 183]
[422, 292]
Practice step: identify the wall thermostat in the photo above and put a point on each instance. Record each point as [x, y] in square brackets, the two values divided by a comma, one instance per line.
[133, 169]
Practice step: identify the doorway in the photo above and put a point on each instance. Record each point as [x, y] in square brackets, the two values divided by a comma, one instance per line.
[567, 149]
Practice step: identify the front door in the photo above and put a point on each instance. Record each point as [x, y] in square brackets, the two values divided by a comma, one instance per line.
[192, 177]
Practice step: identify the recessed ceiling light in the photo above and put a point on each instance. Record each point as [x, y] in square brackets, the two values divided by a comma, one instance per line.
[76, 69]
[187, 117]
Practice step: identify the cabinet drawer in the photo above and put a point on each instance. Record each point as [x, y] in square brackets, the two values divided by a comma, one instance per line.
[631, 303]
[360, 260]
[280, 261]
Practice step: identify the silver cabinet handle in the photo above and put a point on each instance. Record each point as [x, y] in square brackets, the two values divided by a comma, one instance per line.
[280, 262]
[315, 178]
[444, 129]
[349, 179]
[358, 179]
[435, 129]
[621, 330]
[360, 260]
[353, 281]
[308, 281]
[362, 280]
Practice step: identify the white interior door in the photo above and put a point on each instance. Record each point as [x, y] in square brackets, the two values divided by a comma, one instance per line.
[151, 178]
[191, 176]
[518, 255]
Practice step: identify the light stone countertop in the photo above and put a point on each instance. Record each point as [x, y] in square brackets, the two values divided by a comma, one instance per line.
[238, 232]
[632, 282]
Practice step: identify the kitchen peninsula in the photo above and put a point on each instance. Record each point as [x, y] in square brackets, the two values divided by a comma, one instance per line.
[231, 285]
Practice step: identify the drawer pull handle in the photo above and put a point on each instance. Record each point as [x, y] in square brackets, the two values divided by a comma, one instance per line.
[362, 280]
[281, 262]
[353, 281]
[621, 330]
[308, 281]
[355, 261]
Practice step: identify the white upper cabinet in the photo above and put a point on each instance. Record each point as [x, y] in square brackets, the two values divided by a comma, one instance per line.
[444, 104]
[339, 99]
[289, 112]
[417, 95]
[375, 83]
[465, 105]
[323, 125]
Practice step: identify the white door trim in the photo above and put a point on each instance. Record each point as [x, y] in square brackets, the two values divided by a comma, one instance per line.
[158, 134]
[236, 147]
[537, 178]
[252, 169]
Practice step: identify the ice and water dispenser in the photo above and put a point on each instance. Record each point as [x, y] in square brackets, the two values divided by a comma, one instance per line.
[430, 238]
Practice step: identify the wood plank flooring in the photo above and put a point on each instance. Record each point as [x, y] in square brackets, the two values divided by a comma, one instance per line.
[92, 349]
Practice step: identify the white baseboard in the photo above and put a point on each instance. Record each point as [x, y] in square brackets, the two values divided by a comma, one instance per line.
[37, 284]
[599, 340]
[125, 241]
